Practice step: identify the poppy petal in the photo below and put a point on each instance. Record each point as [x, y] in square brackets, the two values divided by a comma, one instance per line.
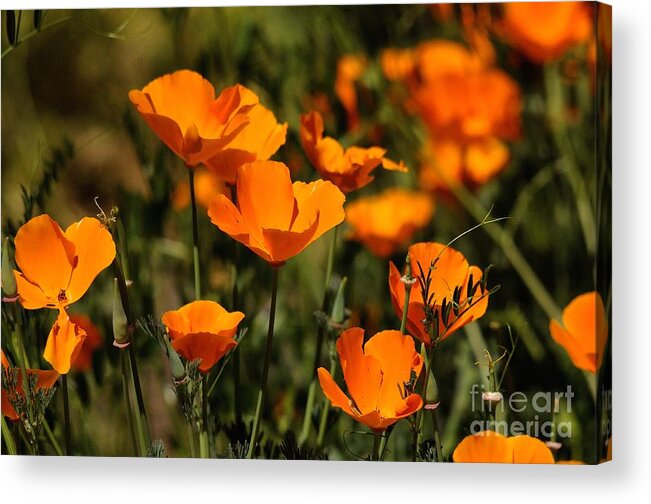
[45, 255]
[529, 450]
[31, 296]
[334, 394]
[94, 251]
[63, 343]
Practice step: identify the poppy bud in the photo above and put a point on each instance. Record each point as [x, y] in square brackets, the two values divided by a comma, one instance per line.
[8, 279]
[338, 315]
[178, 369]
[121, 335]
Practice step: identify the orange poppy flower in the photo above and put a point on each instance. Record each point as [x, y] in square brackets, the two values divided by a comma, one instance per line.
[386, 222]
[492, 447]
[207, 185]
[375, 376]
[398, 64]
[584, 331]
[45, 380]
[202, 330]
[544, 31]
[84, 360]
[257, 141]
[57, 267]
[448, 164]
[451, 270]
[349, 69]
[182, 110]
[348, 169]
[275, 218]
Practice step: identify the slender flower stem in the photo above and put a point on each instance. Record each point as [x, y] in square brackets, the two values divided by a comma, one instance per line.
[235, 296]
[267, 359]
[195, 237]
[8, 438]
[377, 438]
[193, 453]
[203, 439]
[323, 422]
[127, 402]
[311, 395]
[66, 414]
[50, 437]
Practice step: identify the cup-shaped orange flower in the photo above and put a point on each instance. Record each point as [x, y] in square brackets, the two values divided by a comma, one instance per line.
[492, 447]
[386, 222]
[375, 376]
[45, 380]
[84, 360]
[202, 330]
[349, 169]
[257, 141]
[273, 217]
[57, 267]
[583, 331]
[182, 110]
[450, 272]
[544, 31]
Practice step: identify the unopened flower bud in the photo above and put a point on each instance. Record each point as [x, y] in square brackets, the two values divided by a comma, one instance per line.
[178, 369]
[338, 315]
[121, 334]
[8, 279]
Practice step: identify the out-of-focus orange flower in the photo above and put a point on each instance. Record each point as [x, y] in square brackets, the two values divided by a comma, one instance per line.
[544, 31]
[207, 185]
[386, 222]
[442, 11]
[182, 110]
[57, 268]
[450, 271]
[84, 360]
[492, 447]
[375, 376]
[273, 217]
[447, 164]
[469, 107]
[202, 330]
[348, 169]
[45, 380]
[257, 141]
[584, 331]
[349, 70]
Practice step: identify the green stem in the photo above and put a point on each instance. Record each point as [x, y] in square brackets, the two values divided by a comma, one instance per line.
[311, 395]
[8, 438]
[195, 238]
[52, 439]
[375, 454]
[127, 402]
[323, 422]
[267, 359]
[193, 453]
[408, 285]
[203, 439]
[66, 415]
[235, 295]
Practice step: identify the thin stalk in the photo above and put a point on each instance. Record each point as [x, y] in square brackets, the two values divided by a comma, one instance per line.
[195, 238]
[193, 453]
[323, 422]
[66, 415]
[53, 440]
[143, 440]
[235, 295]
[203, 439]
[375, 454]
[127, 403]
[8, 438]
[267, 359]
[311, 395]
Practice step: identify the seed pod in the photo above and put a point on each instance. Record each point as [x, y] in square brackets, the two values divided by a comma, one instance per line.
[8, 279]
[11, 26]
[121, 335]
